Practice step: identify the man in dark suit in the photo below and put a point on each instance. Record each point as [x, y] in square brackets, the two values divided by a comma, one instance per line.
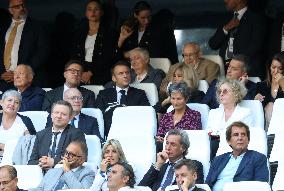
[24, 41]
[161, 175]
[186, 175]
[89, 125]
[73, 75]
[121, 95]
[237, 70]
[8, 178]
[243, 34]
[32, 96]
[241, 164]
[50, 143]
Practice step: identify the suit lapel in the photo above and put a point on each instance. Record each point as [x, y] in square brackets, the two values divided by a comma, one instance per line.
[243, 164]
[62, 141]
[47, 140]
[222, 165]
[112, 95]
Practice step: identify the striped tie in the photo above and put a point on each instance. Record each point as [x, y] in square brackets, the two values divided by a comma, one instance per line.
[9, 45]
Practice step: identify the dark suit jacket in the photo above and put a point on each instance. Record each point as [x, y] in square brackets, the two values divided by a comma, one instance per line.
[106, 98]
[248, 40]
[153, 178]
[210, 96]
[88, 124]
[253, 167]
[33, 50]
[32, 99]
[43, 142]
[57, 94]
[27, 121]
[104, 54]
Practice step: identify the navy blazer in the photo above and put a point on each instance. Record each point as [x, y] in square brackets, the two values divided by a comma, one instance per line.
[106, 98]
[26, 120]
[57, 94]
[32, 99]
[253, 167]
[43, 142]
[249, 40]
[153, 178]
[33, 49]
[210, 96]
[88, 124]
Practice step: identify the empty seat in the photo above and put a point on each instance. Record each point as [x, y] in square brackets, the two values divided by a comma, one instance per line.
[94, 149]
[29, 176]
[247, 185]
[161, 63]
[256, 110]
[150, 90]
[203, 109]
[217, 59]
[97, 113]
[38, 118]
[95, 88]
[203, 86]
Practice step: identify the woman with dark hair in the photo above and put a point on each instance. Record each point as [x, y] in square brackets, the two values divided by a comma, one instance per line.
[270, 89]
[95, 43]
[152, 34]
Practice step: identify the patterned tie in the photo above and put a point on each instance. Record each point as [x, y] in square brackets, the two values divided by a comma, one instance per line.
[9, 45]
[169, 177]
[73, 122]
[123, 97]
[232, 33]
[53, 147]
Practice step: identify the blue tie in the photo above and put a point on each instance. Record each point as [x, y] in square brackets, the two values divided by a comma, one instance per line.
[73, 122]
[169, 177]
[123, 97]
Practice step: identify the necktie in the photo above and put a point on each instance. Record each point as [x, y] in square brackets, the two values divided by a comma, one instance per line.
[9, 45]
[282, 39]
[169, 177]
[232, 32]
[53, 147]
[73, 122]
[123, 97]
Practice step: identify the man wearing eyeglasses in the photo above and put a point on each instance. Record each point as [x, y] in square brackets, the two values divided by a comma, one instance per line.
[72, 175]
[73, 76]
[8, 178]
[25, 41]
[50, 143]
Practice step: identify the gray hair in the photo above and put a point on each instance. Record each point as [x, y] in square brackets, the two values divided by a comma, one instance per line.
[29, 68]
[238, 89]
[184, 141]
[12, 93]
[143, 52]
[180, 87]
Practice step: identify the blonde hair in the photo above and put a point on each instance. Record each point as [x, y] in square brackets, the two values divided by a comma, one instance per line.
[117, 146]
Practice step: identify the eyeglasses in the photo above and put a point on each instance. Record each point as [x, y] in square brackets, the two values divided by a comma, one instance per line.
[224, 91]
[72, 155]
[76, 98]
[4, 183]
[189, 55]
[74, 71]
[22, 5]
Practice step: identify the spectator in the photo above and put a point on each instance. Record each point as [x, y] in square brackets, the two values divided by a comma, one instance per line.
[8, 178]
[241, 164]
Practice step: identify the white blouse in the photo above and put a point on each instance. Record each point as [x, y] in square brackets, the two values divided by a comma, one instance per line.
[89, 47]
[14, 132]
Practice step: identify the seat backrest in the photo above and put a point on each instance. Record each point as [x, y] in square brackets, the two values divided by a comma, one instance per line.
[256, 110]
[39, 118]
[8, 152]
[258, 142]
[133, 120]
[94, 88]
[203, 109]
[247, 185]
[150, 90]
[29, 176]
[218, 60]
[94, 149]
[161, 63]
[277, 116]
[97, 113]
[277, 148]
[278, 183]
[203, 86]
[254, 79]
[199, 139]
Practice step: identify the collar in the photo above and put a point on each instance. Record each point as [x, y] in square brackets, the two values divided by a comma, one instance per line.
[53, 131]
[75, 169]
[77, 116]
[65, 87]
[241, 12]
[240, 156]
[23, 20]
[118, 89]
[176, 161]
[192, 188]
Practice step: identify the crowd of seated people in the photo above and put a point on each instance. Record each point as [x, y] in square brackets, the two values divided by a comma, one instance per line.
[101, 56]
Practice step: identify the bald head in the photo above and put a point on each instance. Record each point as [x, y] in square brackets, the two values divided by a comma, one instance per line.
[191, 53]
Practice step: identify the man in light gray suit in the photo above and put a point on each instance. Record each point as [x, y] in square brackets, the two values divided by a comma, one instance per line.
[72, 175]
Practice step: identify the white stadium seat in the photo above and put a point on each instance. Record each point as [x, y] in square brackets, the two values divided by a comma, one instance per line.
[94, 88]
[29, 176]
[39, 118]
[247, 186]
[150, 90]
[8, 152]
[277, 116]
[175, 187]
[256, 110]
[278, 183]
[94, 149]
[161, 63]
